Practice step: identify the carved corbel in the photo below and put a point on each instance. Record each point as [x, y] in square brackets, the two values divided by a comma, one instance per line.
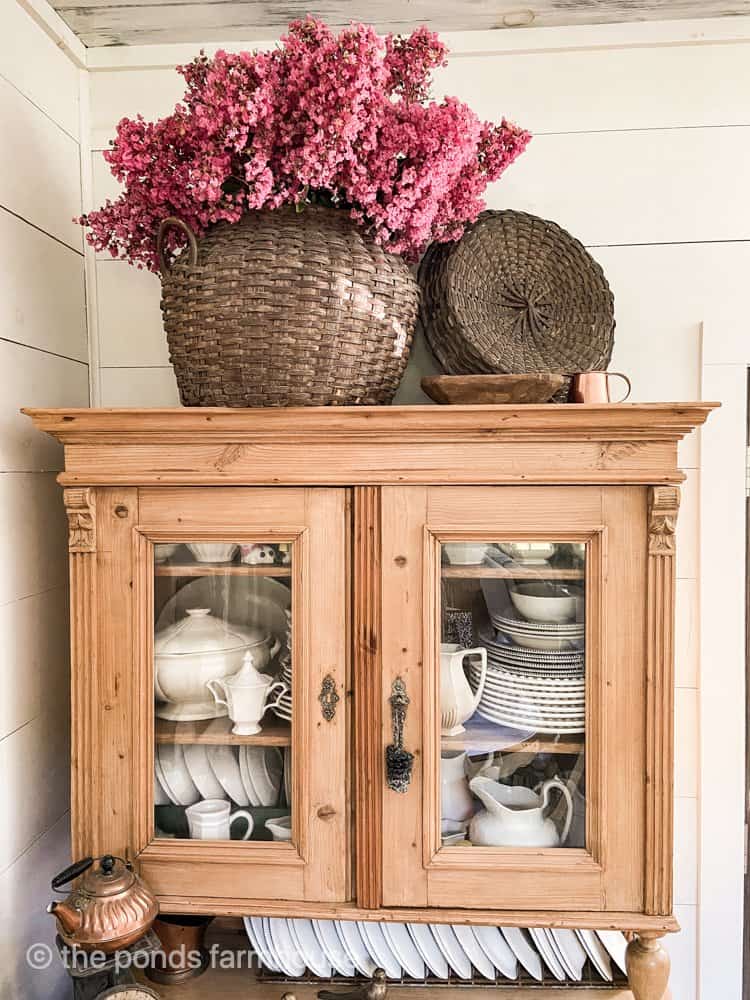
[80, 506]
[664, 503]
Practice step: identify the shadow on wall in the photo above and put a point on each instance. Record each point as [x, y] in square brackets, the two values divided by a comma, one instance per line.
[421, 363]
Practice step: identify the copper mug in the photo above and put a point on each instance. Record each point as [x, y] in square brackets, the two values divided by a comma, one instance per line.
[593, 387]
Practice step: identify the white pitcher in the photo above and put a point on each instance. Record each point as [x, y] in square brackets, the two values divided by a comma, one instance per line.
[514, 816]
[456, 802]
[457, 701]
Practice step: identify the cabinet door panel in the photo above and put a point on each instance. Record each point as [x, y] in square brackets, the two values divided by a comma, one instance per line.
[515, 618]
[247, 589]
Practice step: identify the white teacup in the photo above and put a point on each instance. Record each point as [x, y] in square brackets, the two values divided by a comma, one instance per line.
[212, 552]
[246, 703]
[212, 819]
[280, 828]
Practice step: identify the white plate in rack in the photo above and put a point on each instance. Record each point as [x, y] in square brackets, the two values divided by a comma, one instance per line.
[427, 947]
[330, 942]
[375, 939]
[285, 950]
[571, 951]
[519, 943]
[474, 951]
[199, 769]
[355, 947]
[257, 936]
[225, 766]
[497, 950]
[174, 775]
[403, 947]
[309, 947]
[597, 953]
[454, 954]
[615, 943]
[545, 949]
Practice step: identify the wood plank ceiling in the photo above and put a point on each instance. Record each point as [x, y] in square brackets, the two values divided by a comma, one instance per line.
[138, 22]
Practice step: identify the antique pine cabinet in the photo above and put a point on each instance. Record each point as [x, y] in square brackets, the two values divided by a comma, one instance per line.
[352, 552]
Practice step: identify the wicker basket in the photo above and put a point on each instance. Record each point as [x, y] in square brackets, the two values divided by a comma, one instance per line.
[287, 309]
[516, 294]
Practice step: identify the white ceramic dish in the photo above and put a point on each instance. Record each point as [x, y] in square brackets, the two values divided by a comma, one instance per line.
[529, 553]
[452, 951]
[248, 601]
[212, 552]
[519, 943]
[309, 948]
[380, 950]
[543, 727]
[545, 949]
[351, 938]
[280, 828]
[427, 947]
[196, 761]
[474, 951]
[265, 766]
[328, 938]
[285, 950]
[542, 602]
[497, 950]
[615, 943]
[160, 796]
[465, 553]
[403, 947]
[247, 779]
[165, 550]
[159, 775]
[196, 649]
[597, 953]
[571, 950]
[174, 775]
[257, 936]
[226, 769]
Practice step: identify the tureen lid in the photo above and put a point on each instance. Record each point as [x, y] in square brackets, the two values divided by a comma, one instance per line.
[202, 632]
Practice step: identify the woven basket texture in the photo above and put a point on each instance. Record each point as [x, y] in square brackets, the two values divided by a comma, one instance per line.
[288, 309]
[516, 294]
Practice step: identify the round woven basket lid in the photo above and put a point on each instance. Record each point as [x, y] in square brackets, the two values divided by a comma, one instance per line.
[516, 294]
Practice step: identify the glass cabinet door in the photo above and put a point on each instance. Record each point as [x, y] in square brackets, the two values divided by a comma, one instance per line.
[224, 697]
[245, 676]
[514, 619]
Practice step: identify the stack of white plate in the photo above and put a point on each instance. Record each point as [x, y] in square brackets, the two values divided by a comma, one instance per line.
[548, 636]
[418, 951]
[248, 775]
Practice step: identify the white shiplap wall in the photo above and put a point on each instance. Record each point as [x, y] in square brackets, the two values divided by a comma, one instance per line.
[43, 362]
[643, 152]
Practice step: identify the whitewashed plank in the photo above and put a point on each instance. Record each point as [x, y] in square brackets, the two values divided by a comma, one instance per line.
[139, 387]
[685, 851]
[150, 22]
[35, 652]
[39, 168]
[26, 925]
[34, 764]
[686, 743]
[33, 535]
[125, 93]
[683, 950]
[606, 89]
[42, 296]
[130, 325]
[33, 378]
[687, 626]
[660, 186]
[31, 61]
[688, 528]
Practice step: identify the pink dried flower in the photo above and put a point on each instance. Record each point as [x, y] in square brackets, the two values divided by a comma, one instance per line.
[344, 119]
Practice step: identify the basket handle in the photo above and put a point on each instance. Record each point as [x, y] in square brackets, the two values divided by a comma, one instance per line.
[174, 223]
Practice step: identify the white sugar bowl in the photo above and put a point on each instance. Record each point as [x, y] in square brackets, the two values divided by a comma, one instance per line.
[195, 650]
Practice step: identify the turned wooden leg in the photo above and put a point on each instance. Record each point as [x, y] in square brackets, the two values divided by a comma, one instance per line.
[647, 964]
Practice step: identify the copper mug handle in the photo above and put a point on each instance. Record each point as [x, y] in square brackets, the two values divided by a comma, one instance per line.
[593, 387]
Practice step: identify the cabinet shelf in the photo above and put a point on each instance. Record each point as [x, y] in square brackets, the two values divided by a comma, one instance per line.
[481, 736]
[220, 569]
[503, 573]
[275, 733]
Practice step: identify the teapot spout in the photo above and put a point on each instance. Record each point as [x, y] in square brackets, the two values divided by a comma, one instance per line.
[68, 917]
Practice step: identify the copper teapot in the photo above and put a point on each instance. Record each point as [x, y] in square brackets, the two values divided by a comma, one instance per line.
[110, 907]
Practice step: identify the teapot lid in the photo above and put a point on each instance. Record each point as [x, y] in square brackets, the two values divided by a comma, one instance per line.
[202, 632]
[110, 877]
[248, 674]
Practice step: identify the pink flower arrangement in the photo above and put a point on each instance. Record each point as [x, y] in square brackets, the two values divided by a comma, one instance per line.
[342, 119]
